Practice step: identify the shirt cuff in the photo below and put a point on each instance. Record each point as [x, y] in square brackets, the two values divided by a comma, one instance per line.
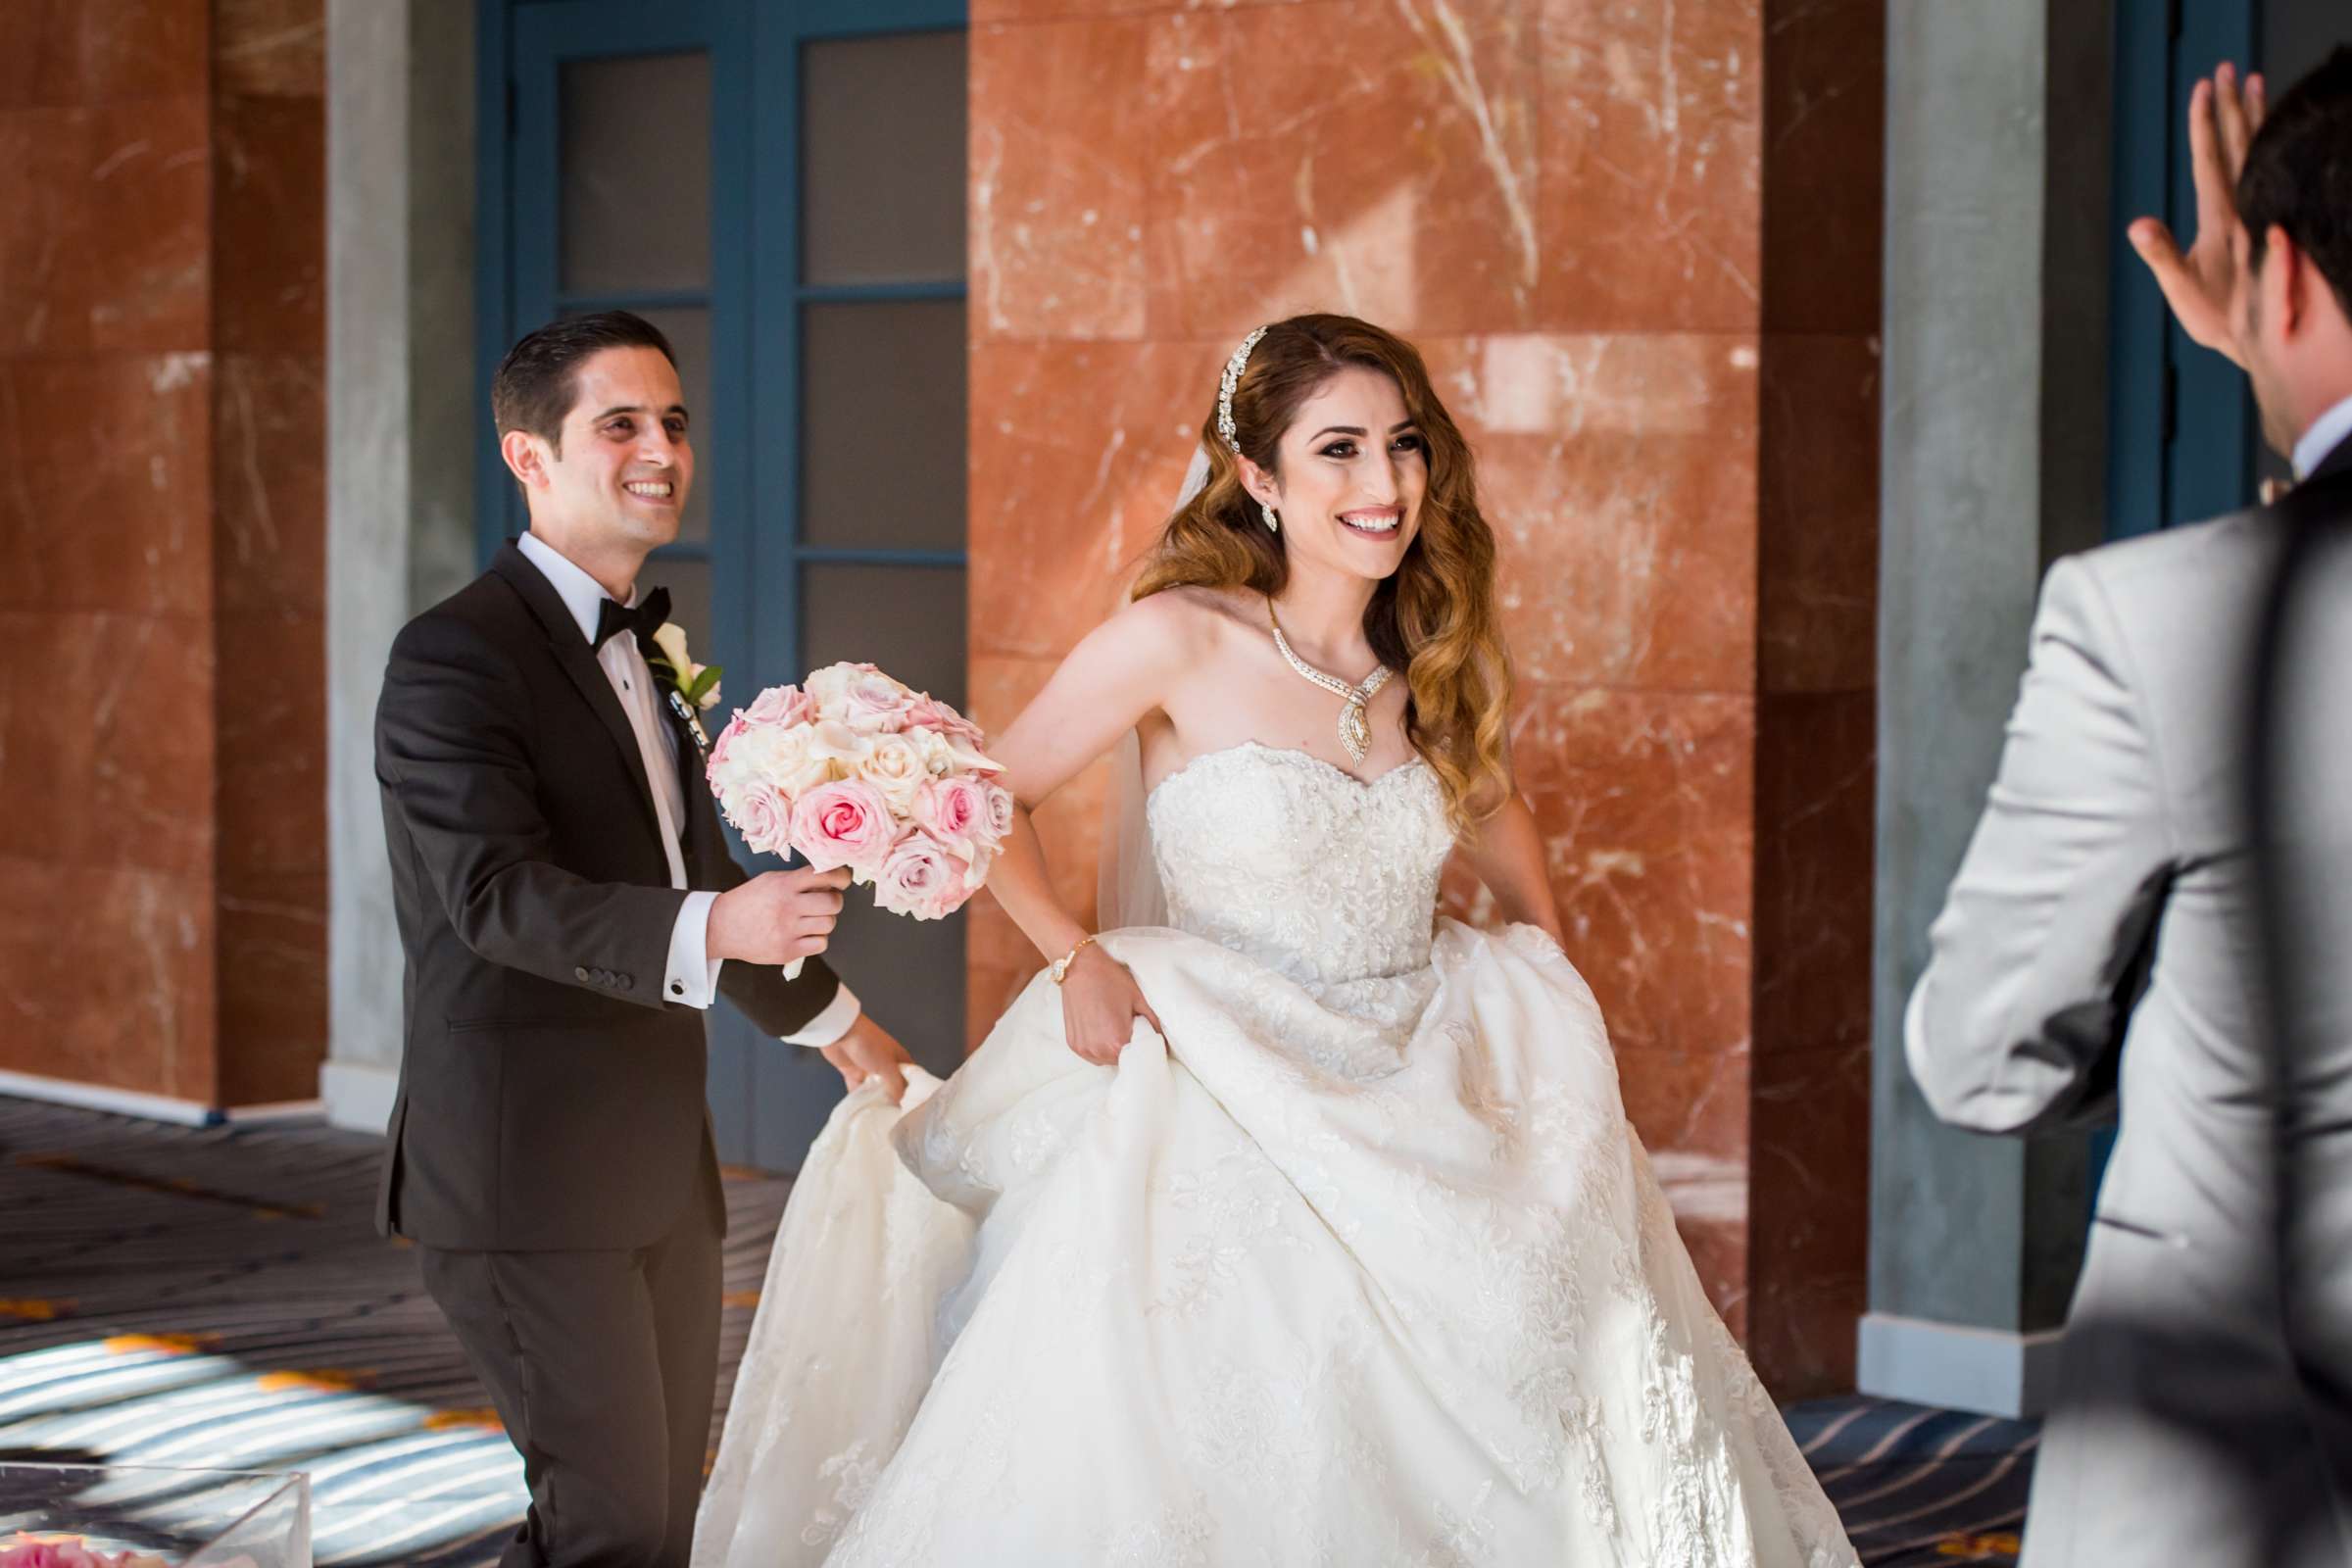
[691, 979]
[829, 1025]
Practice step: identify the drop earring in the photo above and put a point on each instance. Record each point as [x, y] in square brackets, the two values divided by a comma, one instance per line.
[1273, 523]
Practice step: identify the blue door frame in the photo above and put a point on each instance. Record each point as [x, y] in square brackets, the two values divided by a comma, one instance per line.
[766, 1102]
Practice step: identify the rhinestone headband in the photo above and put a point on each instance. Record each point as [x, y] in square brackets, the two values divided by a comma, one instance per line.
[1233, 378]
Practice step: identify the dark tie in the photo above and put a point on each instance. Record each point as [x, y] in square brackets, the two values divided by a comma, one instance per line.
[612, 618]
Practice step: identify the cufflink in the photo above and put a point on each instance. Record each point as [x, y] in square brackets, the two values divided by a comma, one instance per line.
[678, 988]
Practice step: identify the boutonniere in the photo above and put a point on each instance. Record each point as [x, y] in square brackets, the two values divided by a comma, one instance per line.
[693, 687]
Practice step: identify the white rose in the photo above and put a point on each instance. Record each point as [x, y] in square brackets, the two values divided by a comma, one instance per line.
[785, 757]
[829, 686]
[894, 766]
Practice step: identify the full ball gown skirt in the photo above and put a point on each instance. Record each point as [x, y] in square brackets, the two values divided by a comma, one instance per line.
[1360, 1265]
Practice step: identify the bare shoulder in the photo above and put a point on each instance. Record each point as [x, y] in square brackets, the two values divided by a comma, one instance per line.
[1184, 623]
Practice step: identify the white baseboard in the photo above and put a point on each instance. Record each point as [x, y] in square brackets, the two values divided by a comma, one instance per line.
[97, 1096]
[1989, 1371]
[358, 1097]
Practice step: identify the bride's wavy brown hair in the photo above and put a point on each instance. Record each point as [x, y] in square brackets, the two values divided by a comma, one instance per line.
[1433, 617]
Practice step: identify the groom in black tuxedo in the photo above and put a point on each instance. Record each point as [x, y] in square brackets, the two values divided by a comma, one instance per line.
[567, 906]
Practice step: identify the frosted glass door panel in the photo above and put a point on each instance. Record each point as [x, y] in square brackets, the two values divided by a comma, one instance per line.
[883, 448]
[883, 128]
[635, 142]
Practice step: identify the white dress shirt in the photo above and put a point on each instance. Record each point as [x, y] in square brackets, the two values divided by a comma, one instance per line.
[2328, 431]
[691, 976]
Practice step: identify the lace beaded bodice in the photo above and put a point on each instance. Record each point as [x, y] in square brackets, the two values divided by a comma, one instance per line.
[1279, 856]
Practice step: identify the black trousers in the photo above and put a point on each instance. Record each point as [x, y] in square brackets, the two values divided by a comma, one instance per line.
[603, 1366]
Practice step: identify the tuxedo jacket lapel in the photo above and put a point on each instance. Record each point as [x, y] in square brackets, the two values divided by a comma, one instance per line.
[578, 662]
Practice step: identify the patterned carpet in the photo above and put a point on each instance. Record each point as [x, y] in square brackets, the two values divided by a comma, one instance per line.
[217, 1297]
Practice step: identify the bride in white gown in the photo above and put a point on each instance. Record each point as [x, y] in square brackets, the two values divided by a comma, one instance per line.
[1348, 1257]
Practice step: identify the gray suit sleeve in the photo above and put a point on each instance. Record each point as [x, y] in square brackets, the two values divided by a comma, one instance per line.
[2018, 1021]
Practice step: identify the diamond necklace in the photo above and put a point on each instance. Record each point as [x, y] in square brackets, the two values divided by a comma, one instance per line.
[1355, 731]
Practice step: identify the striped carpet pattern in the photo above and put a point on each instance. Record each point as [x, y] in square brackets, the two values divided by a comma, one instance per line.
[218, 1299]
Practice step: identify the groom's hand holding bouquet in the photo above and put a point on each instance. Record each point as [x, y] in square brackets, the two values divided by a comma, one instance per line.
[868, 781]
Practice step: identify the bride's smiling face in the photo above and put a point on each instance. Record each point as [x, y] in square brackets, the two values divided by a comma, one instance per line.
[1352, 468]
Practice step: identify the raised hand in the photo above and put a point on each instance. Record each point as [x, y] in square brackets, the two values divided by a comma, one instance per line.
[776, 916]
[869, 1050]
[1100, 1004]
[2199, 286]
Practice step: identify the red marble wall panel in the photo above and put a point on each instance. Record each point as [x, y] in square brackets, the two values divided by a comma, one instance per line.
[1059, 148]
[1825, 115]
[1378, 160]
[271, 984]
[269, 216]
[1816, 776]
[108, 747]
[1651, 153]
[107, 500]
[106, 975]
[102, 51]
[1817, 567]
[1619, 472]
[1644, 801]
[1077, 450]
[269, 246]
[269, 47]
[162, 703]
[104, 209]
[270, 724]
[1817, 514]
[1809, 1225]
[270, 484]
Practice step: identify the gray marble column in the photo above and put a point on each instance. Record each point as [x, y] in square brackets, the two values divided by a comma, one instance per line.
[400, 472]
[1994, 443]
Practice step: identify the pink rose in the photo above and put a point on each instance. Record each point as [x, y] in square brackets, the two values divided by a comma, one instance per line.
[779, 705]
[872, 704]
[929, 712]
[843, 823]
[920, 877]
[1000, 812]
[954, 810]
[761, 813]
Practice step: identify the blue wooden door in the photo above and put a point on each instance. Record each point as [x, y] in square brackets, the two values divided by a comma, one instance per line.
[780, 188]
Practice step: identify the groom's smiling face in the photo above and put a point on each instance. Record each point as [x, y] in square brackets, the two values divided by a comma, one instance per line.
[626, 463]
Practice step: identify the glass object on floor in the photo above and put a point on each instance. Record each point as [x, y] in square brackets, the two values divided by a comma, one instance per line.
[186, 1518]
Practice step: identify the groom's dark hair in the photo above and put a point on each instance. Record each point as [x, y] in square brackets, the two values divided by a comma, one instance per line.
[2298, 173]
[539, 380]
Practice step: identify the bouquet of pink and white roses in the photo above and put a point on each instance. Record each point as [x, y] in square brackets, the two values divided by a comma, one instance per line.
[852, 769]
[70, 1551]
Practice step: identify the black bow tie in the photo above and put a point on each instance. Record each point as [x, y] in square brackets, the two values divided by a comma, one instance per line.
[613, 617]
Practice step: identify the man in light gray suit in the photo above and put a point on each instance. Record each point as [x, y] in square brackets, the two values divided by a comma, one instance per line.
[2101, 937]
